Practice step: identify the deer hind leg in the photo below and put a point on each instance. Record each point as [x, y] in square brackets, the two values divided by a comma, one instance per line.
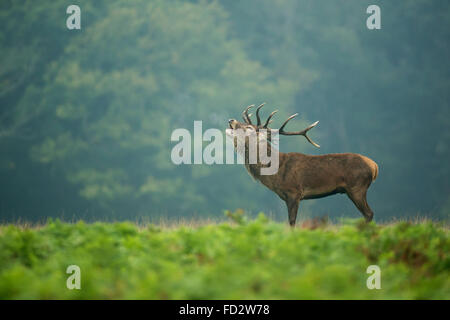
[358, 197]
[292, 206]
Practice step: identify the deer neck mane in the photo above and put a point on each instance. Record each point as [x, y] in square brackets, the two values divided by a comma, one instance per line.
[254, 169]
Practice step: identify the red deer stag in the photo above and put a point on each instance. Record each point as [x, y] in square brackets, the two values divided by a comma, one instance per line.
[300, 176]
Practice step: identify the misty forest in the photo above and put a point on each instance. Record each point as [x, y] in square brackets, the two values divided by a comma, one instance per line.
[86, 115]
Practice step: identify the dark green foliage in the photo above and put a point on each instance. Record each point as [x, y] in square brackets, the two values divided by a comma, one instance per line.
[255, 259]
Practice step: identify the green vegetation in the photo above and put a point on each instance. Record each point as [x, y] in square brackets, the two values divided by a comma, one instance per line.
[255, 259]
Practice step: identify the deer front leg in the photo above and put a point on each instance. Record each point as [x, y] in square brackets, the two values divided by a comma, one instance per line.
[292, 205]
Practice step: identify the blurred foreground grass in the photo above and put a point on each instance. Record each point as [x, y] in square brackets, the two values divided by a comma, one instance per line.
[255, 259]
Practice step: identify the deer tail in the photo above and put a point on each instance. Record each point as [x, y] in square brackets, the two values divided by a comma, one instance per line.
[373, 167]
[375, 171]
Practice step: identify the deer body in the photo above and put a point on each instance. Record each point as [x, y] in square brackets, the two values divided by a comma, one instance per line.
[301, 177]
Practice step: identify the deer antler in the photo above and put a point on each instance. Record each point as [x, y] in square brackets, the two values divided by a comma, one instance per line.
[258, 120]
[281, 131]
[268, 121]
[298, 133]
[247, 116]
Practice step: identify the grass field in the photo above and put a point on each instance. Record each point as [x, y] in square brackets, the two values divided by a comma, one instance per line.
[256, 259]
